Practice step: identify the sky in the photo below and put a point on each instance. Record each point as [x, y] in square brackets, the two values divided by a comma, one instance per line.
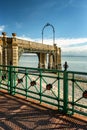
[28, 17]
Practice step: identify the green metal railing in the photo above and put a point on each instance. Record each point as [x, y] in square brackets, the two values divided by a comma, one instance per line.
[66, 90]
[77, 91]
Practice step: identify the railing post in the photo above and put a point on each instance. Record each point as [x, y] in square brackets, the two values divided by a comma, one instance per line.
[40, 86]
[65, 89]
[10, 79]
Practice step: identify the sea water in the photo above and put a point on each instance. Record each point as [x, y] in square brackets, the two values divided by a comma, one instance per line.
[75, 63]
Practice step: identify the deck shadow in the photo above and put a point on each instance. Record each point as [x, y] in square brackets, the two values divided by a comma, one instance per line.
[18, 114]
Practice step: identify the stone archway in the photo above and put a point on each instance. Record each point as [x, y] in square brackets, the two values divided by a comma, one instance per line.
[12, 48]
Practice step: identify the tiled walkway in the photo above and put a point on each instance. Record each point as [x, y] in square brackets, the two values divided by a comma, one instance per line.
[18, 114]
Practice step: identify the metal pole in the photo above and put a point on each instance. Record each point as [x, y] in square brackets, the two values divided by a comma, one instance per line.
[65, 89]
[42, 36]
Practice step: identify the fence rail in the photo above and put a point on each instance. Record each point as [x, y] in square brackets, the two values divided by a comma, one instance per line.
[66, 90]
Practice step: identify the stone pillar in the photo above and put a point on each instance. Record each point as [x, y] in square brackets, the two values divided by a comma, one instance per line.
[42, 60]
[14, 50]
[57, 58]
[50, 61]
[9, 52]
[4, 49]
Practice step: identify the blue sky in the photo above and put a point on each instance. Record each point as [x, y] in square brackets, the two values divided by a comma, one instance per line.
[28, 17]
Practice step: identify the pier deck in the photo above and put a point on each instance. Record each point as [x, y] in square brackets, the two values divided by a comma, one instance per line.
[19, 114]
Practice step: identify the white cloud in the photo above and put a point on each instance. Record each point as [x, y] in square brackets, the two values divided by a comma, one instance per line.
[2, 28]
[72, 41]
[25, 38]
[76, 45]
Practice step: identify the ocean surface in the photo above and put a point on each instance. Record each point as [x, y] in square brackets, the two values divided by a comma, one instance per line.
[75, 63]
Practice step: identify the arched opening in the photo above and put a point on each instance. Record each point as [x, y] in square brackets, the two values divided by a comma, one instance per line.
[28, 60]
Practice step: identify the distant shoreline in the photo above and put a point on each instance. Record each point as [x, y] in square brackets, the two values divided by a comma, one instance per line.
[33, 54]
[74, 56]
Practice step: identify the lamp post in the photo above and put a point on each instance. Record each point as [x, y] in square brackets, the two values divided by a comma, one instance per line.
[48, 24]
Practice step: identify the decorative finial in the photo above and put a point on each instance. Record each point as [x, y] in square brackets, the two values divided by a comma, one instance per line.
[65, 65]
[14, 34]
[4, 34]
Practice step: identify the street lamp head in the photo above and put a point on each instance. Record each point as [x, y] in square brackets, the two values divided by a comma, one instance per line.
[48, 24]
